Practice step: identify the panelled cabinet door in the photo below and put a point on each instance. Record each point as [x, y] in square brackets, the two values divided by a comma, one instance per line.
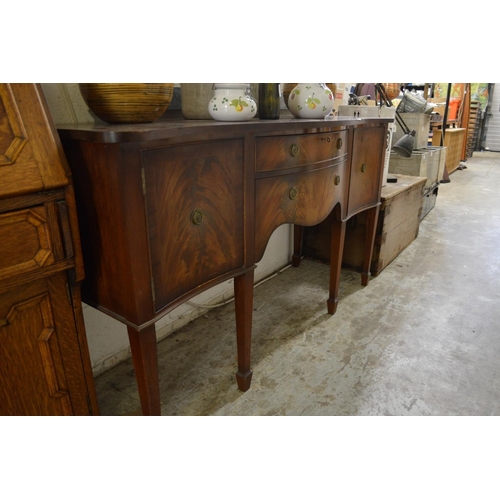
[366, 168]
[194, 210]
[41, 369]
[30, 160]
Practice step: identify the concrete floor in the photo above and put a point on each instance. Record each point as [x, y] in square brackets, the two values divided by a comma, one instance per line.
[421, 339]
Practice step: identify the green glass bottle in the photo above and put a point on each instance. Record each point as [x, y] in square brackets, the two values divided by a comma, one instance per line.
[269, 101]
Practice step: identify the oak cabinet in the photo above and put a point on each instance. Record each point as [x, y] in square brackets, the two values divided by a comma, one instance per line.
[45, 366]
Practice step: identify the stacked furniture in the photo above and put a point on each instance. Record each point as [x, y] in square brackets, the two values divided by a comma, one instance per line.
[473, 128]
[45, 368]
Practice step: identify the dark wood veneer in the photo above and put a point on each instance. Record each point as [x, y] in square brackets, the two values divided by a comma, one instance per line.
[171, 208]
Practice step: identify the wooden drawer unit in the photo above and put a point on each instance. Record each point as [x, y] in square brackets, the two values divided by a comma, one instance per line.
[366, 184]
[194, 206]
[289, 151]
[304, 199]
[45, 364]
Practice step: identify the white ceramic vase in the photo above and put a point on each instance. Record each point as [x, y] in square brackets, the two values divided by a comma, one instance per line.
[310, 100]
[232, 102]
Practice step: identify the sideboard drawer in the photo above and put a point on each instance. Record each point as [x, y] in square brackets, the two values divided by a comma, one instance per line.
[282, 152]
[26, 243]
[304, 199]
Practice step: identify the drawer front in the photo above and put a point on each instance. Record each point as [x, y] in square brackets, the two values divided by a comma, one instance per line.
[283, 152]
[366, 168]
[304, 199]
[26, 243]
[194, 209]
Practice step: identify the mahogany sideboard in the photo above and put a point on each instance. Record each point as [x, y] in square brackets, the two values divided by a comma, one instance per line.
[172, 208]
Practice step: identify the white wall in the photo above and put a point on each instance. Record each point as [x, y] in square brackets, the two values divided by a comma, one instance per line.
[107, 338]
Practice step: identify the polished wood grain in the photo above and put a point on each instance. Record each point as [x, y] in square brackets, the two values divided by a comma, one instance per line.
[170, 209]
[288, 151]
[194, 211]
[45, 368]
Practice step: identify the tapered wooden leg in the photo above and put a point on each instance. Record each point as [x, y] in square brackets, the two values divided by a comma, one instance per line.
[337, 248]
[243, 297]
[371, 229]
[297, 245]
[145, 359]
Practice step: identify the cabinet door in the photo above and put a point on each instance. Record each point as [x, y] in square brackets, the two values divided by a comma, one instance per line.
[366, 168]
[41, 369]
[194, 208]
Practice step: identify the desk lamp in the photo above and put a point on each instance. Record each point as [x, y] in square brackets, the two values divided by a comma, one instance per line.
[404, 147]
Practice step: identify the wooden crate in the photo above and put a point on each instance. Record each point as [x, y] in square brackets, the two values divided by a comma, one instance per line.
[429, 196]
[422, 163]
[442, 161]
[453, 140]
[397, 227]
[420, 122]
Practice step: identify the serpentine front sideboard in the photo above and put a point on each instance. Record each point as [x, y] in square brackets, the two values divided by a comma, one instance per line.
[172, 208]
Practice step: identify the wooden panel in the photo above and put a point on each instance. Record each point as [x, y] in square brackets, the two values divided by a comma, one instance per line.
[282, 152]
[194, 204]
[32, 374]
[453, 141]
[366, 169]
[30, 152]
[303, 199]
[26, 241]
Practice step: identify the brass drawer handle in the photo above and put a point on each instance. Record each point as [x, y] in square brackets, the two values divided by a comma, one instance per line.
[293, 193]
[197, 217]
[339, 143]
[337, 180]
[294, 150]
[363, 168]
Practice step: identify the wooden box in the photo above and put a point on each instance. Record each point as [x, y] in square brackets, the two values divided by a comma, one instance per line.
[453, 140]
[422, 163]
[429, 196]
[420, 122]
[397, 227]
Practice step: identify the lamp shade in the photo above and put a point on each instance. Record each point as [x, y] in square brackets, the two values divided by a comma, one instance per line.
[404, 147]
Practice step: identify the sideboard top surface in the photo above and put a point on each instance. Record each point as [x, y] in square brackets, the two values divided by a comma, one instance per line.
[173, 128]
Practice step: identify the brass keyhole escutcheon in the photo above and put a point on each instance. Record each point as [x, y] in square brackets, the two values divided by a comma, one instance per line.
[327, 139]
[197, 217]
[337, 180]
[363, 168]
[339, 143]
[293, 193]
[294, 150]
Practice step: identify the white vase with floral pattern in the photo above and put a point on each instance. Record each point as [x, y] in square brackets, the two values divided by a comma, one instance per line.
[310, 100]
[232, 102]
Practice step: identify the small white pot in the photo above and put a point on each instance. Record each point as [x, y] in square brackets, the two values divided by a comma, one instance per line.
[310, 100]
[232, 102]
